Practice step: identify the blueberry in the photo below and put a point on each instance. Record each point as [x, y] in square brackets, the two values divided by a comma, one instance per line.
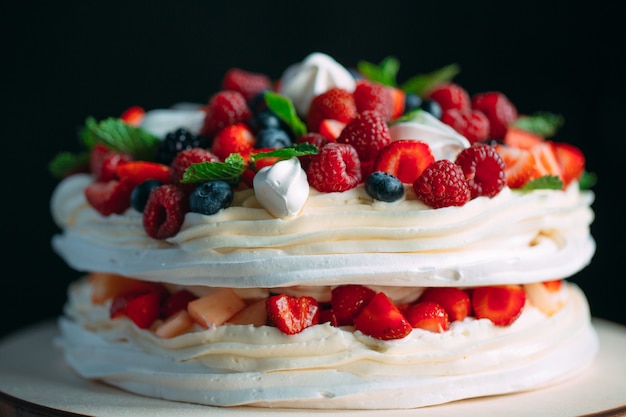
[384, 187]
[210, 197]
[412, 102]
[432, 107]
[272, 138]
[140, 194]
[266, 119]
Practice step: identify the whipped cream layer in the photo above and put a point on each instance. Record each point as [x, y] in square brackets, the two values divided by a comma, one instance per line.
[325, 366]
[338, 238]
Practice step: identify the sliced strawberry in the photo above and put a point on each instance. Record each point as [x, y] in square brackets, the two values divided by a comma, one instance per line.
[405, 159]
[133, 115]
[521, 166]
[177, 301]
[545, 158]
[520, 138]
[455, 301]
[139, 171]
[292, 315]
[142, 306]
[382, 319]
[110, 197]
[398, 98]
[103, 162]
[331, 129]
[428, 315]
[347, 301]
[336, 103]
[571, 160]
[501, 304]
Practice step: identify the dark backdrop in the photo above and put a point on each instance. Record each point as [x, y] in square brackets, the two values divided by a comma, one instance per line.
[64, 62]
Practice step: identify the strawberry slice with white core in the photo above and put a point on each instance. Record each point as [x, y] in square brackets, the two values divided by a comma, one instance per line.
[406, 159]
[428, 315]
[292, 315]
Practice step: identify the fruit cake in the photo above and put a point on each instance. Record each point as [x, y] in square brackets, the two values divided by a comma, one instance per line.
[331, 238]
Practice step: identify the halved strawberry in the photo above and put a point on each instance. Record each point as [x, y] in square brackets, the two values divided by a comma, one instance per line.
[292, 315]
[405, 159]
[133, 115]
[502, 304]
[521, 166]
[140, 305]
[331, 129]
[110, 197]
[545, 159]
[382, 319]
[571, 160]
[546, 296]
[398, 98]
[347, 301]
[103, 162]
[520, 138]
[139, 171]
[428, 315]
[236, 138]
[454, 300]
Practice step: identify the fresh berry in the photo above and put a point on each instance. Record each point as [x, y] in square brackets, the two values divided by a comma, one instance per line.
[184, 160]
[405, 159]
[484, 169]
[545, 159]
[109, 197]
[225, 108]
[472, 124]
[398, 100]
[432, 107]
[412, 102]
[571, 161]
[292, 315]
[501, 304]
[139, 171]
[428, 315]
[177, 301]
[442, 184]
[370, 95]
[450, 95]
[335, 168]
[347, 301]
[313, 138]
[383, 186]
[141, 306]
[455, 301]
[249, 84]
[520, 165]
[498, 109]
[103, 162]
[268, 119]
[165, 211]
[272, 137]
[382, 319]
[210, 197]
[368, 133]
[236, 138]
[141, 192]
[520, 138]
[133, 115]
[336, 103]
[331, 129]
[177, 141]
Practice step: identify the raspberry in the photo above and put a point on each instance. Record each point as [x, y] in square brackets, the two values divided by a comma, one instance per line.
[249, 84]
[225, 108]
[451, 96]
[183, 160]
[472, 124]
[483, 168]
[498, 109]
[336, 103]
[442, 184]
[370, 95]
[335, 168]
[313, 138]
[165, 211]
[368, 133]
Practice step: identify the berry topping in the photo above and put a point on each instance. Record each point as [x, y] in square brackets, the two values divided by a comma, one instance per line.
[331, 129]
[164, 212]
[374, 96]
[139, 171]
[368, 133]
[451, 96]
[140, 194]
[432, 107]
[103, 162]
[347, 301]
[109, 197]
[336, 103]
[472, 124]
[272, 137]
[382, 319]
[225, 108]
[412, 102]
[210, 197]
[405, 159]
[483, 168]
[236, 138]
[313, 138]
[500, 304]
[177, 141]
[520, 138]
[291, 315]
[184, 160]
[455, 301]
[498, 109]
[442, 184]
[142, 308]
[249, 84]
[335, 168]
[428, 315]
[384, 187]
[520, 165]
[571, 161]
[133, 115]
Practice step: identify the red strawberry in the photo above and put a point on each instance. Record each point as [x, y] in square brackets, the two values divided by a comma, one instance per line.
[249, 84]
[335, 168]
[382, 319]
[225, 108]
[369, 95]
[483, 168]
[553, 285]
[472, 124]
[501, 304]
[455, 301]
[103, 162]
[347, 301]
[428, 315]
[368, 133]
[442, 184]
[520, 165]
[571, 161]
[450, 95]
[331, 129]
[133, 115]
[142, 308]
[236, 138]
[405, 159]
[520, 138]
[109, 197]
[336, 103]
[545, 159]
[291, 315]
[398, 97]
[165, 211]
[177, 301]
[139, 171]
[183, 160]
[498, 109]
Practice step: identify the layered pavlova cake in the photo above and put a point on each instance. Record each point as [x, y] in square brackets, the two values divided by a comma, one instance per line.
[327, 239]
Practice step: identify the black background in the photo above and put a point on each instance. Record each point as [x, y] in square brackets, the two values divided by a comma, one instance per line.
[64, 62]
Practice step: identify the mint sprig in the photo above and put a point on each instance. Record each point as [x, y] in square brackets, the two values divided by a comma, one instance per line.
[120, 137]
[284, 109]
[541, 123]
[546, 182]
[384, 73]
[421, 84]
[66, 163]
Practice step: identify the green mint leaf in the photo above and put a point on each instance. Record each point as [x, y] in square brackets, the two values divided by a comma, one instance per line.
[422, 83]
[384, 73]
[230, 171]
[541, 123]
[66, 163]
[283, 108]
[298, 149]
[120, 137]
[587, 180]
[547, 182]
